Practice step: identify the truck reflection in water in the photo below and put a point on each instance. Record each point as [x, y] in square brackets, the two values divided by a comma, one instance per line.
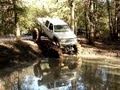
[48, 74]
[35, 83]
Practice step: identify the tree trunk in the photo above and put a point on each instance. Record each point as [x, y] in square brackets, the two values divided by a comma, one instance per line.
[113, 15]
[110, 19]
[72, 13]
[117, 18]
[17, 29]
[86, 20]
[91, 22]
[73, 16]
[114, 21]
[95, 6]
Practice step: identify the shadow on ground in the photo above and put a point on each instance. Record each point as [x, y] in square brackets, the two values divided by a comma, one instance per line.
[23, 53]
[49, 50]
[17, 55]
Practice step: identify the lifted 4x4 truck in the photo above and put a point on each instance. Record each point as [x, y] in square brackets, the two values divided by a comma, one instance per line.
[57, 31]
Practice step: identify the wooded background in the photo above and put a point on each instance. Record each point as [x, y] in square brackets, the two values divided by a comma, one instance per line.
[96, 19]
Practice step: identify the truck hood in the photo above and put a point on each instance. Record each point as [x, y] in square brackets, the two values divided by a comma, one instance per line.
[65, 35]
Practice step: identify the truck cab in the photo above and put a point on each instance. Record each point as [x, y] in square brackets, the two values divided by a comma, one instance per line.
[58, 31]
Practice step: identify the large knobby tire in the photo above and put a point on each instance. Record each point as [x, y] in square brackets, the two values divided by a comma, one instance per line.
[36, 34]
[75, 49]
[56, 41]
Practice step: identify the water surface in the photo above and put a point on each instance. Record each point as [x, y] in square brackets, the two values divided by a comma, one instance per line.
[50, 74]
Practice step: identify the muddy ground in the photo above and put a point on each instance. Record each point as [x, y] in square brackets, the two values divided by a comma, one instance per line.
[100, 49]
[27, 50]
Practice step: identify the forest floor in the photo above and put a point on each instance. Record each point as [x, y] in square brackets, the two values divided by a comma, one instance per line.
[109, 50]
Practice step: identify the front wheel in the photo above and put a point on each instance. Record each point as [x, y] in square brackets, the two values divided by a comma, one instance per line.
[75, 49]
[56, 41]
[35, 34]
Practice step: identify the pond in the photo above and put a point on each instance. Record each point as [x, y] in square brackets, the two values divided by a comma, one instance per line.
[50, 74]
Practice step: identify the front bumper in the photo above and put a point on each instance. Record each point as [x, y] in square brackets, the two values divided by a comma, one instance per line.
[67, 42]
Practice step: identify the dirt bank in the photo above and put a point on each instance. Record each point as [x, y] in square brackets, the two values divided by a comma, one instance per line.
[19, 50]
[26, 50]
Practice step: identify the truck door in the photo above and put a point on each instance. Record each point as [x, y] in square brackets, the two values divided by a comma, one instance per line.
[50, 30]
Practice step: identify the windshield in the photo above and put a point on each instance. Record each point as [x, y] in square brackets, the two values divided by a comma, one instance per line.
[61, 28]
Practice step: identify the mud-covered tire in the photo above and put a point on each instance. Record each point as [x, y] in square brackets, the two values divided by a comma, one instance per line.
[56, 41]
[36, 34]
[75, 49]
[41, 32]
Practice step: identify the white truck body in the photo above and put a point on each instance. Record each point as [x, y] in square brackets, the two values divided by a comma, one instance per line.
[57, 28]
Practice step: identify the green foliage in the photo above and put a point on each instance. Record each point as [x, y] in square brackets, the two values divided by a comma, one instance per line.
[27, 20]
[29, 10]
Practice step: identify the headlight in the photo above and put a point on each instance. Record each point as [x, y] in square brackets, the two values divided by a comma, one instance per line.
[68, 40]
[71, 40]
[62, 40]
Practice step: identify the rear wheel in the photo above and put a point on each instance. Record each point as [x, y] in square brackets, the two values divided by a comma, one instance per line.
[56, 41]
[75, 49]
[36, 34]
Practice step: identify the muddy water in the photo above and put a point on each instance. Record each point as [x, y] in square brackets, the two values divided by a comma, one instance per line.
[50, 74]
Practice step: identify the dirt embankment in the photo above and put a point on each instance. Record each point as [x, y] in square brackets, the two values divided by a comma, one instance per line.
[26, 50]
[18, 50]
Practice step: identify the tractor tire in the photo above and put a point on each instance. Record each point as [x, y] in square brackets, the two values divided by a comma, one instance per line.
[56, 41]
[75, 49]
[36, 34]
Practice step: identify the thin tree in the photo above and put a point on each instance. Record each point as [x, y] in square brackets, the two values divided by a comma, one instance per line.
[17, 29]
[109, 16]
[117, 14]
[72, 13]
[86, 20]
[90, 20]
